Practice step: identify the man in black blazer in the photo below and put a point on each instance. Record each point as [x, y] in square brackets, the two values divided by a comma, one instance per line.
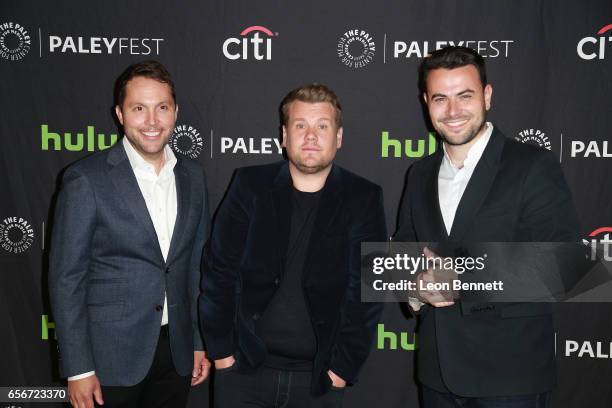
[481, 187]
[128, 234]
[280, 306]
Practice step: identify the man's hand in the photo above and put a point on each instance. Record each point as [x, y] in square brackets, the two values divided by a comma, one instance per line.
[225, 362]
[337, 382]
[81, 391]
[435, 298]
[201, 368]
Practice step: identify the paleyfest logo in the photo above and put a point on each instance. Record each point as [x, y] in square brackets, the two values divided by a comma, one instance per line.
[187, 141]
[15, 41]
[356, 48]
[16, 235]
[534, 137]
[254, 45]
[590, 48]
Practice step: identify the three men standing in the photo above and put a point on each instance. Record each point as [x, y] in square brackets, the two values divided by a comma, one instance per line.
[124, 276]
[281, 306]
[481, 187]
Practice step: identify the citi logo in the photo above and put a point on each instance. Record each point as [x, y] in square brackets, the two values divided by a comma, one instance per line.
[75, 142]
[590, 48]
[407, 341]
[256, 42]
[600, 242]
[409, 148]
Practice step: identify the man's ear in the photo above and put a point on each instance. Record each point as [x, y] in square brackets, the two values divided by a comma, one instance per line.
[339, 137]
[119, 114]
[284, 143]
[488, 92]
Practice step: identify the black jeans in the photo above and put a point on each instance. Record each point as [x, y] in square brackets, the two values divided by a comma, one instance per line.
[437, 399]
[161, 388]
[270, 388]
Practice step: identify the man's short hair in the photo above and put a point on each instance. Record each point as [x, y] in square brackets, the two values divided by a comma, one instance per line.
[311, 93]
[448, 58]
[148, 69]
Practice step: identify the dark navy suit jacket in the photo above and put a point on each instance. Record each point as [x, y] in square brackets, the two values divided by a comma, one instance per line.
[517, 193]
[245, 260]
[107, 274]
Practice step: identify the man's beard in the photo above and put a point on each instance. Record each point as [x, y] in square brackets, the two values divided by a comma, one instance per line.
[469, 137]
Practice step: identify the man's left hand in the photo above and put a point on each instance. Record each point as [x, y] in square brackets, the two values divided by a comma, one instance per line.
[337, 382]
[201, 368]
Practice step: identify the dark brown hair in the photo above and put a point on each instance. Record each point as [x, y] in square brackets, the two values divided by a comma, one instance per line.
[448, 58]
[148, 69]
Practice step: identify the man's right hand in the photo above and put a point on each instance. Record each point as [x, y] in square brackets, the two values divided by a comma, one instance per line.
[225, 362]
[81, 392]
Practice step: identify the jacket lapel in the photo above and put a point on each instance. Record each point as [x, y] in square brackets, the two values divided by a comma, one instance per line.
[329, 204]
[432, 207]
[183, 193]
[280, 197]
[123, 178]
[478, 187]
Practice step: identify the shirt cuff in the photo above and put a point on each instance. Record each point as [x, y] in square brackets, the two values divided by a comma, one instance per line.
[415, 304]
[81, 376]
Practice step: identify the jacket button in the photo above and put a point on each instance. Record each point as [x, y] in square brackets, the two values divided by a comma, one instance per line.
[168, 270]
[159, 308]
[277, 281]
[256, 316]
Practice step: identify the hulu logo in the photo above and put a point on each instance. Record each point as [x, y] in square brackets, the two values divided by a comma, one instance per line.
[409, 148]
[405, 342]
[77, 142]
[46, 326]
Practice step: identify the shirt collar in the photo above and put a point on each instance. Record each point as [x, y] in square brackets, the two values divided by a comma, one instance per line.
[138, 162]
[475, 152]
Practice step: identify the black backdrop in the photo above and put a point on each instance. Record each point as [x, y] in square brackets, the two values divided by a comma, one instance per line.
[550, 64]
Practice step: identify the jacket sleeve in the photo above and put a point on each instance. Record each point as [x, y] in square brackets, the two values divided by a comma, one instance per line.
[359, 319]
[73, 230]
[221, 261]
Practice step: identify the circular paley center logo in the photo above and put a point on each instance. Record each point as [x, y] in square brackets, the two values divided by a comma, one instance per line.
[356, 48]
[534, 137]
[15, 42]
[16, 235]
[187, 141]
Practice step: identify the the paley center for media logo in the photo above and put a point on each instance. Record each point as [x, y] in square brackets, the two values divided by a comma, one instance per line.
[356, 48]
[16, 235]
[534, 137]
[591, 47]
[187, 141]
[255, 42]
[15, 41]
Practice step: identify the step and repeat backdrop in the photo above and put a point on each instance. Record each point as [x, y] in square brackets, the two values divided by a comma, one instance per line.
[549, 62]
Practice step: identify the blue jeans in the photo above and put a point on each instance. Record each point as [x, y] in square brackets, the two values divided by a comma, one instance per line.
[437, 399]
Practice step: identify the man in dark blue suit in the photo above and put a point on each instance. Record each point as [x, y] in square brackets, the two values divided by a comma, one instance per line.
[281, 307]
[481, 187]
[124, 275]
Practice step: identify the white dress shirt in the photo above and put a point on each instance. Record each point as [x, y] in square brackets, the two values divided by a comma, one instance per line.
[453, 180]
[159, 192]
